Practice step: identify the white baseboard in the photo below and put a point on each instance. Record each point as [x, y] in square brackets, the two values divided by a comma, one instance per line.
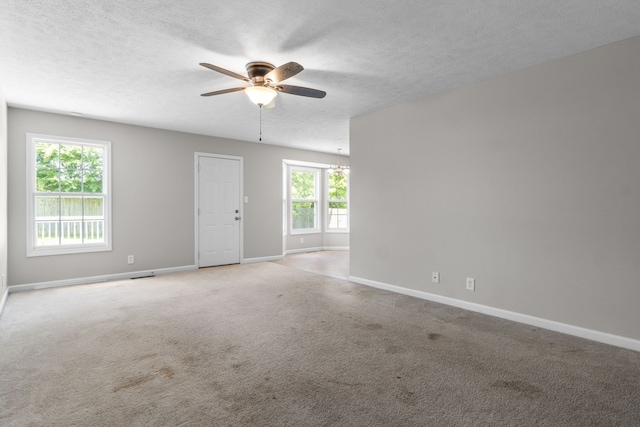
[96, 279]
[316, 249]
[303, 250]
[293, 251]
[3, 300]
[603, 337]
[262, 259]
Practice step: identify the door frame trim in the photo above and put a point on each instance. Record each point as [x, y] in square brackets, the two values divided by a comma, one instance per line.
[197, 156]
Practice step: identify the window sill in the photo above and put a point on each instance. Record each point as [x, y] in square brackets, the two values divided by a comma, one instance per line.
[41, 251]
[310, 231]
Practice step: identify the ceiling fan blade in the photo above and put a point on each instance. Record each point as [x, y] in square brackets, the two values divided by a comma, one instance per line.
[284, 72]
[302, 91]
[220, 92]
[225, 72]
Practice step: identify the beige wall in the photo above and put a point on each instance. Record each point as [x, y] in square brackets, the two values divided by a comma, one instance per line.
[3, 197]
[529, 182]
[153, 196]
[326, 241]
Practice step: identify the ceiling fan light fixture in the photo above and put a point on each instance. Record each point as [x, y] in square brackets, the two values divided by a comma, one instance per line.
[339, 169]
[260, 95]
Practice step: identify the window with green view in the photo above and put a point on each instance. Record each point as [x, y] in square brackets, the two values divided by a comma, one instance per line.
[69, 199]
[304, 200]
[337, 202]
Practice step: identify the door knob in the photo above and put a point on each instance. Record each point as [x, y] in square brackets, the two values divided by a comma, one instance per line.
[237, 218]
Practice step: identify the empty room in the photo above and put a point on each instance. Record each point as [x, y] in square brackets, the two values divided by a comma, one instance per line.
[416, 214]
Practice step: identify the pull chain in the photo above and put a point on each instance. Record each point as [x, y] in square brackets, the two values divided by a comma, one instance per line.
[260, 105]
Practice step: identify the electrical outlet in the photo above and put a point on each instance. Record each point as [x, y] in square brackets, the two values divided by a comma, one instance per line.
[302, 240]
[435, 277]
[130, 259]
[471, 284]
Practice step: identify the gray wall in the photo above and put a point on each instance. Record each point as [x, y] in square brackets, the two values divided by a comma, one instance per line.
[529, 182]
[153, 196]
[3, 195]
[323, 240]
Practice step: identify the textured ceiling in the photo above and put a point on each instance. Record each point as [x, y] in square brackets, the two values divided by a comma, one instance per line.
[137, 61]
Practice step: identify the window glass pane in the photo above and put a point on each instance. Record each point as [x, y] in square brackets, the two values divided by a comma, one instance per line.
[337, 205]
[303, 185]
[337, 187]
[71, 231]
[343, 220]
[71, 206]
[47, 211]
[47, 155]
[70, 168]
[70, 156]
[92, 156]
[47, 233]
[47, 180]
[338, 215]
[71, 180]
[94, 231]
[94, 207]
[47, 207]
[92, 181]
[71, 220]
[92, 165]
[303, 215]
[93, 225]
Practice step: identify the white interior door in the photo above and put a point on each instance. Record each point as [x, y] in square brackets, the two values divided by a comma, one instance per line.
[218, 211]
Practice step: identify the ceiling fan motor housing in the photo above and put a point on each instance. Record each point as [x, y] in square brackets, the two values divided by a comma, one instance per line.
[257, 70]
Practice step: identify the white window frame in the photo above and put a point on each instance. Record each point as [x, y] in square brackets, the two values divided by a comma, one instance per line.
[285, 199]
[106, 245]
[316, 200]
[326, 206]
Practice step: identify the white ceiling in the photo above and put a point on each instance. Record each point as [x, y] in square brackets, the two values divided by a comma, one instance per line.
[137, 61]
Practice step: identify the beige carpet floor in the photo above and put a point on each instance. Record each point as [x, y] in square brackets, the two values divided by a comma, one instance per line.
[269, 345]
[328, 263]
